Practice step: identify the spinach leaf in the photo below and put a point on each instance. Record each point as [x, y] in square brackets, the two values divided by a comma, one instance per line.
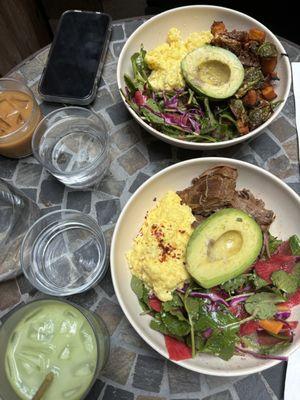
[274, 243]
[284, 281]
[263, 305]
[294, 242]
[174, 325]
[222, 344]
[210, 115]
[137, 286]
[199, 342]
[150, 116]
[132, 86]
[174, 303]
[158, 325]
[296, 273]
[178, 314]
[233, 284]
[139, 66]
[257, 281]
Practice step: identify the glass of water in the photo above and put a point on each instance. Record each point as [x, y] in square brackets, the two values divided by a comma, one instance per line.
[72, 144]
[63, 253]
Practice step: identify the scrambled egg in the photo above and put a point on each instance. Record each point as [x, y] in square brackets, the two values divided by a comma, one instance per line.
[157, 256]
[165, 59]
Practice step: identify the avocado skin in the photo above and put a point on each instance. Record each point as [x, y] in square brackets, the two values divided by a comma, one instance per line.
[228, 58]
[200, 267]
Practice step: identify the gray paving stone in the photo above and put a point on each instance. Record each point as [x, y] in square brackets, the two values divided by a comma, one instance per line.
[52, 191]
[151, 398]
[79, 200]
[249, 158]
[117, 48]
[264, 146]
[115, 92]
[112, 186]
[141, 178]
[291, 51]
[282, 129]
[86, 299]
[25, 286]
[251, 388]
[43, 55]
[96, 390]
[119, 365]
[132, 161]
[106, 284]
[107, 211]
[7, 167]
[48, 210]
[182, 380]
[159, 151]
[102, 100]
[218, 381]
[280, 166]
[127, 336]
[225, 395]
[111, 313]
[118, 113]
[109, 73]
[31, 193]
[126, 136]
[47, 108]
[291, 150]
[275, 377]
[108, 235]
[117, 33]
[187, 154]
[28, 174]
[295, 187]
[289, 108]
[148, 373]
[109, 57]
[112, 393]
[131, 26]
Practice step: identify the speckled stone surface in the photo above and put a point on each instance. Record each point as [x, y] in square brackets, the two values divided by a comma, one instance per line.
[134, 370]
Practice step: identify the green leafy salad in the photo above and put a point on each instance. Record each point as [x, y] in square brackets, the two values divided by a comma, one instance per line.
[229, 88]
[247, 314]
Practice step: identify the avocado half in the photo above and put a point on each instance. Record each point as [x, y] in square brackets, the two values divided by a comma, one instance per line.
[213, 72]
[223, 247]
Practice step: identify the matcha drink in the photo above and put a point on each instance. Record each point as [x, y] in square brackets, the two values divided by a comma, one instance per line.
[54, 337]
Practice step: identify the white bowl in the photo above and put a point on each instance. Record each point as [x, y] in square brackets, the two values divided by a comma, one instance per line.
[190, 19]
[277, 196]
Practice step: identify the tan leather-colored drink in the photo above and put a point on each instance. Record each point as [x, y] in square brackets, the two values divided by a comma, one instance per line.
[19, 116]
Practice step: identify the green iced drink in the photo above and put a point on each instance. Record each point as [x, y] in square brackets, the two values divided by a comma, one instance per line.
[55, 337]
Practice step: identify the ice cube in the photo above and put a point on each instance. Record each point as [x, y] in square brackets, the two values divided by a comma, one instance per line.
[84, 369]
[68, 327]
[71, 393]
[42, 332]
[65, 353]
[86, 339]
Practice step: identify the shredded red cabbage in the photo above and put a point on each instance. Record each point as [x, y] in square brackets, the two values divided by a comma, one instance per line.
[211, 296]
[282, 315]
[238, 300]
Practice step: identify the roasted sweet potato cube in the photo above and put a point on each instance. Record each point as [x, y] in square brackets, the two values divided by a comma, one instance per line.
[257, 35]
[250, 99]
[269, 93]
[218, 27]
[268, 65]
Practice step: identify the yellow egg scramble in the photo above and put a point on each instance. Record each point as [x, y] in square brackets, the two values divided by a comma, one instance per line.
[164, 60]
[157, 256]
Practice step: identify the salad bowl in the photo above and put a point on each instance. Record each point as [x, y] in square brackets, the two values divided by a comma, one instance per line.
[192, 19]
[277, 196]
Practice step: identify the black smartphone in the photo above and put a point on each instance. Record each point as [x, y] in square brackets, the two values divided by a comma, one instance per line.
[76, 58]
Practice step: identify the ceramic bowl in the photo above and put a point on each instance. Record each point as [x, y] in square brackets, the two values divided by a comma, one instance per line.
[277, 196]
[190, 19]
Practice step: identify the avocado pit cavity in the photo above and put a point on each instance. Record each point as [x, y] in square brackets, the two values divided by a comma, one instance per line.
[214, 72]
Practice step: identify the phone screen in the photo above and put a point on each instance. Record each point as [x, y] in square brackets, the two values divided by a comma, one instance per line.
[75, 55]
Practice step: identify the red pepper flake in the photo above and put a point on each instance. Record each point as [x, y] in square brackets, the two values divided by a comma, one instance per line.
[181, 231]
[154, 199]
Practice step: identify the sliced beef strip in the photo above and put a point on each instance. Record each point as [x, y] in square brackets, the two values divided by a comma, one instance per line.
[213, 189]
[245, 201]
[216, 189]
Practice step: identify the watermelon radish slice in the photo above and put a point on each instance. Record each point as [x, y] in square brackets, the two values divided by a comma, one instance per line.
[177, 350]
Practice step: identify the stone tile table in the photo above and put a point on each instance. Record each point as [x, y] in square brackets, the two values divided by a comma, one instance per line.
[134, 370]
